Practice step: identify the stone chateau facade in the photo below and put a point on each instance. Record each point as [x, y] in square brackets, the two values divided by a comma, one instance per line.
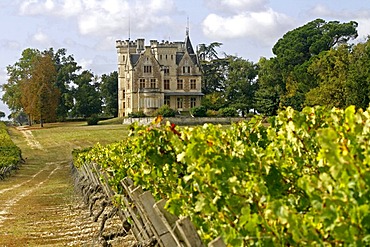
[150, 76]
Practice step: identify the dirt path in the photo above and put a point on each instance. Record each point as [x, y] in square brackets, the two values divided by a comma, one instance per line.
[38, 204]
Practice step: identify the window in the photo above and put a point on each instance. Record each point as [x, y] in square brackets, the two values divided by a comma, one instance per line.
[171, 57]
[142, 83]
[179, 103]
[180, 84]
[186, 70]
[128, 102]
[153, 83]
[123, 93]
[160, 57]
[193, 102]
[193, 84]
[166, 70]
[167, 100]
[128, 86]
[147, 69]
[166, 84]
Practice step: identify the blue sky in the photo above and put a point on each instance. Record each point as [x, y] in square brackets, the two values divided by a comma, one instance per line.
[88, 29]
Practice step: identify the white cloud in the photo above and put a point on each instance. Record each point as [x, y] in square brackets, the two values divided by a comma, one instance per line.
[237, 6]
[264, 26]
[363, 28]
[105, 17]
[320, 10]
[85, 63]
[41, 39]
[362, 17]
[10, 44]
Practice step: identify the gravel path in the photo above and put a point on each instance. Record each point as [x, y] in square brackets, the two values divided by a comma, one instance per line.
[39, 206]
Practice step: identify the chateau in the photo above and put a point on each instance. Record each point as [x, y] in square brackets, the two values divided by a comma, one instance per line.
[161, 73]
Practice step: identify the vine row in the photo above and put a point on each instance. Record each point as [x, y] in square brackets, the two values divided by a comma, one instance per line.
[10, 154]
[302, 179]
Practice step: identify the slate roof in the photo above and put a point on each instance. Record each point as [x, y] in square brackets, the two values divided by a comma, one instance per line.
[134, 58]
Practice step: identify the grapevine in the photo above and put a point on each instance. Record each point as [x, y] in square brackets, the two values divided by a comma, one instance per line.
[301, 180]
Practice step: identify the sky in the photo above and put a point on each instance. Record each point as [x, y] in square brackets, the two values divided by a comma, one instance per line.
[88, 29]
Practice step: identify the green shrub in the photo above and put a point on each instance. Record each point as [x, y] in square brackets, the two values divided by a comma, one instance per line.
[138, 114]
[92, 120]
[228, 112]
[211, 113]
[199, 111]
[165, 111]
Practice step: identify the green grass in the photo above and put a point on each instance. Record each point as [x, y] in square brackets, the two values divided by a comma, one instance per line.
[117, 120]
[59, 139]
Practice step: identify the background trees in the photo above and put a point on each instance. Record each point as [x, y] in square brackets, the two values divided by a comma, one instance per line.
[287, 78]
[50, 86]
[109, 93]
[86, 95]
[39, 94]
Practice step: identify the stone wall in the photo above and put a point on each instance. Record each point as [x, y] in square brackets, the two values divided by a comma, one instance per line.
[187, 120]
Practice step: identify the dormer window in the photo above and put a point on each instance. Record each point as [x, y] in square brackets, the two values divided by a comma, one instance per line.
[186, 70]
[147, 69]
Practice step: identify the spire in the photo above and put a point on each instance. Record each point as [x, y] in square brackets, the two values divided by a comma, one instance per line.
[188, 46]
[187, 27]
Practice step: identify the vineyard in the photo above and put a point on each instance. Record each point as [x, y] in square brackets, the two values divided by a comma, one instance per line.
[10, 154]
[303, 179]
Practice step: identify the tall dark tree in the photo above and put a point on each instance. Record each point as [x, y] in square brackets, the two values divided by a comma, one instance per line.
[109, 93]
[208, 52]
[214, 75]
[67, 72]
[270, 87]
[86, 95]
[213, 68]
[241, 84]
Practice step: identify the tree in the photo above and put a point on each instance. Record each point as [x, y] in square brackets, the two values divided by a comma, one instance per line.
[358, 81]
[214, 101]
[40, 97]
[2, 114]
[18, 73]
[241, 84]
[214, 75]
[302, 43]
[86, 96]
[331, 70]
[213, 68]
[109, 93]
[67, 72]
[208, 53]
[286, 76]
[270, 87]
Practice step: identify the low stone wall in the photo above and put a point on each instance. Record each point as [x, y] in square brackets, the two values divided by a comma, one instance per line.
[187, 120]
